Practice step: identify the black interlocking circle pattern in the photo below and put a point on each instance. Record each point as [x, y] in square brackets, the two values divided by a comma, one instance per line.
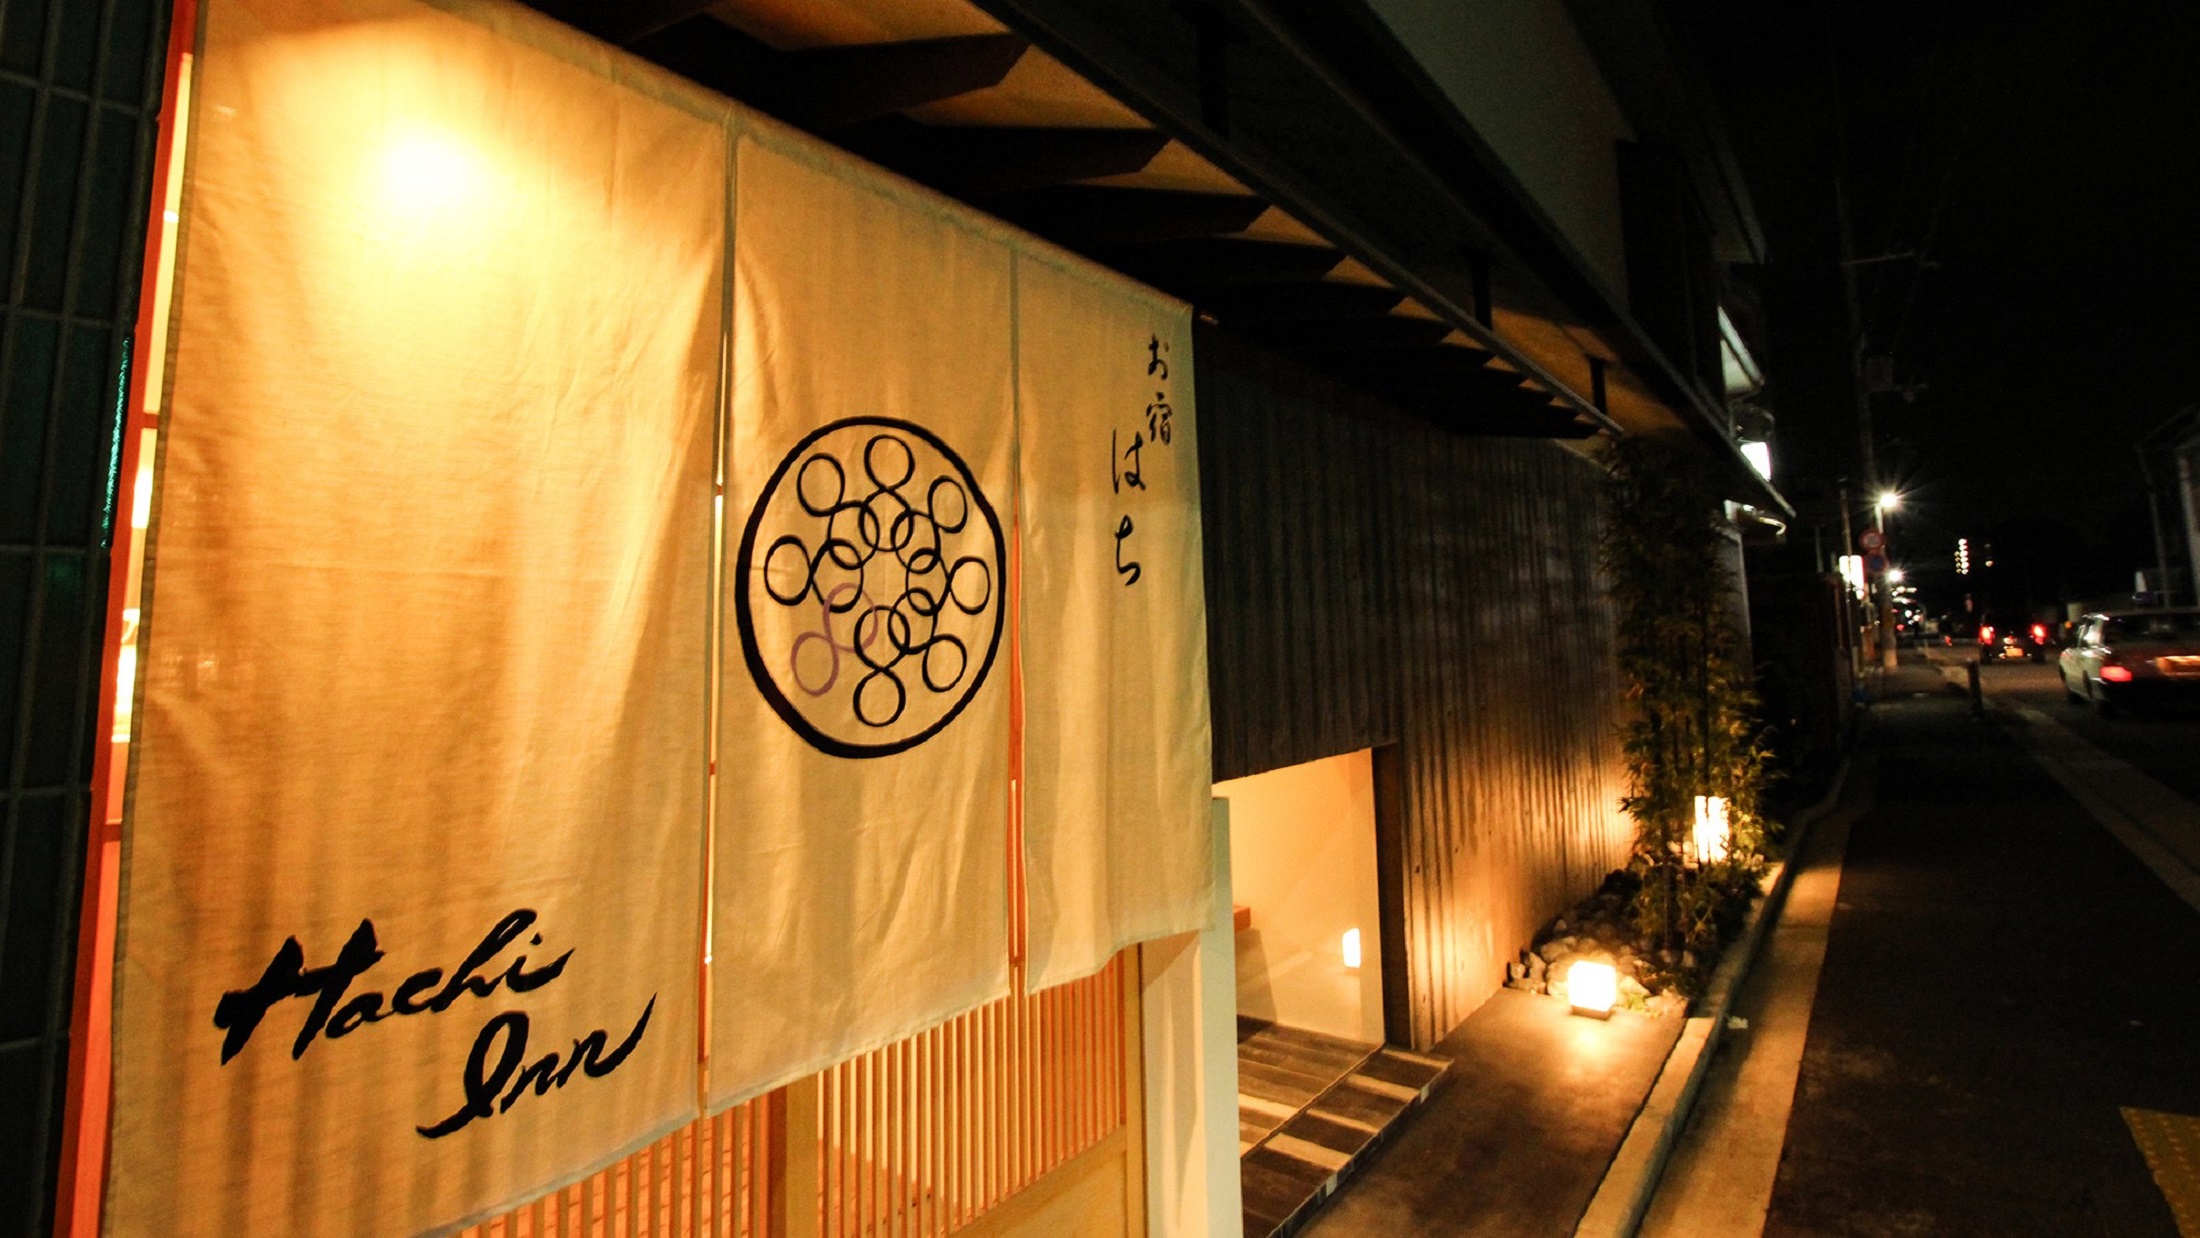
[881, 552]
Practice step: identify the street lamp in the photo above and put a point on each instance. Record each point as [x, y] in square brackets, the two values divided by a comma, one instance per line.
[1888, 501]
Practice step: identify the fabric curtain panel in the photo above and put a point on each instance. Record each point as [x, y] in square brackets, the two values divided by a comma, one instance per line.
[528, 404]
[862, 836]
[1114, 620]
[415, 847]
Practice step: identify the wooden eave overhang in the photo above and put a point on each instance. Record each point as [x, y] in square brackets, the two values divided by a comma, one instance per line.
[1321, 204]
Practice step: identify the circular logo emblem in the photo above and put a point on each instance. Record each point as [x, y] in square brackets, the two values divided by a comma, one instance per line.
[868, 587]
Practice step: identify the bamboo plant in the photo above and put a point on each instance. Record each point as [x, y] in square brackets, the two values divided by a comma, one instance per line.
[1691, 730]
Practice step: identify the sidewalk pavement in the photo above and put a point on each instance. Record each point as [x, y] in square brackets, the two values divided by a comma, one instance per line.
[1989, 1045]
[1969, 847]
[1992, 1000]
[1515, 1142]
[1537, 1106]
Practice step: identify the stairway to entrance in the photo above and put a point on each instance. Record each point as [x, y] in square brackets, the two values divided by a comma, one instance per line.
[1310, 1108]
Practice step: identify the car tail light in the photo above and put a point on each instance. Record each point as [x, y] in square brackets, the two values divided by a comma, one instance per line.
[2039, 633]
[1986, 634]
[2115, 674]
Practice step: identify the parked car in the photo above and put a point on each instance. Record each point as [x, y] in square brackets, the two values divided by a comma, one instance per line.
[2134, 657]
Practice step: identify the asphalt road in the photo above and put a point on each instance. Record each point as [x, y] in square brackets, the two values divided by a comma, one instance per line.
[2000, 977]
[2165, 743]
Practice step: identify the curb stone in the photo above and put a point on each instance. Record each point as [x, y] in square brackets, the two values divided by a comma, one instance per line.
[1623, 1197]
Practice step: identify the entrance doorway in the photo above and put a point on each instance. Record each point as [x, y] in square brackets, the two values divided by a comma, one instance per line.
[1317, 1088]
[1302, 870]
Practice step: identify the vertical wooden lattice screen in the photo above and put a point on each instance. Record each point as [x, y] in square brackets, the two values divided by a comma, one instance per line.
[712, 1177]
[919, 1138]
[925, 1136]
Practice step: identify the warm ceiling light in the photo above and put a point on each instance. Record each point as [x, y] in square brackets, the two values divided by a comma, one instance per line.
[1592, 987]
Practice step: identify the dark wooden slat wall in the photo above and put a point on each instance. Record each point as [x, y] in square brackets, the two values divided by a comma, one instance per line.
[1372, 580]
[1300, 638]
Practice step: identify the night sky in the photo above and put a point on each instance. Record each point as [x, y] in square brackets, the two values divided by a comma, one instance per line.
[2028, 171]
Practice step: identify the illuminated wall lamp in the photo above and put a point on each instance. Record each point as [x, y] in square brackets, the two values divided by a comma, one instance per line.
[1592, 988]
[1352, 949]
[1713, 836]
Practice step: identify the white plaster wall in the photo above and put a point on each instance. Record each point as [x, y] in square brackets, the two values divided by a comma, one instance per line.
[1189, 1029]
[1520, 74]
[1302, 857]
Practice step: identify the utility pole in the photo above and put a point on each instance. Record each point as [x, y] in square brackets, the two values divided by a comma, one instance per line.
[2162, 591]
[1883, 591]
[1885, 583]
[2164, 438]
[1849, 642]
[2186, 483]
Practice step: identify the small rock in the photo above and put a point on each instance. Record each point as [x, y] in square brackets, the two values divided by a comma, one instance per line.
[1688, 959]
[1515, 971]
[1632, 987]
[1667, 1003]
[1535, 967]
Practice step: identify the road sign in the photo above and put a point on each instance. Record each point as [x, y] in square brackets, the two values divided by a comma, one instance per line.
[1871, 540]
[1875, 564]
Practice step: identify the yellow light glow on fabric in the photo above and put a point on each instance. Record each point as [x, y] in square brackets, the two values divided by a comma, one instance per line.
[426, 173]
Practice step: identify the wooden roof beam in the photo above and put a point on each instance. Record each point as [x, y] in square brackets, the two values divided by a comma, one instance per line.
[825, 89]
[1517, 421]
[627, 22]
[834, 87]
[1385, 333]
[1443, 360]
[986, 161]
[1220, 262]
[1303, 302]
[1083, 217]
